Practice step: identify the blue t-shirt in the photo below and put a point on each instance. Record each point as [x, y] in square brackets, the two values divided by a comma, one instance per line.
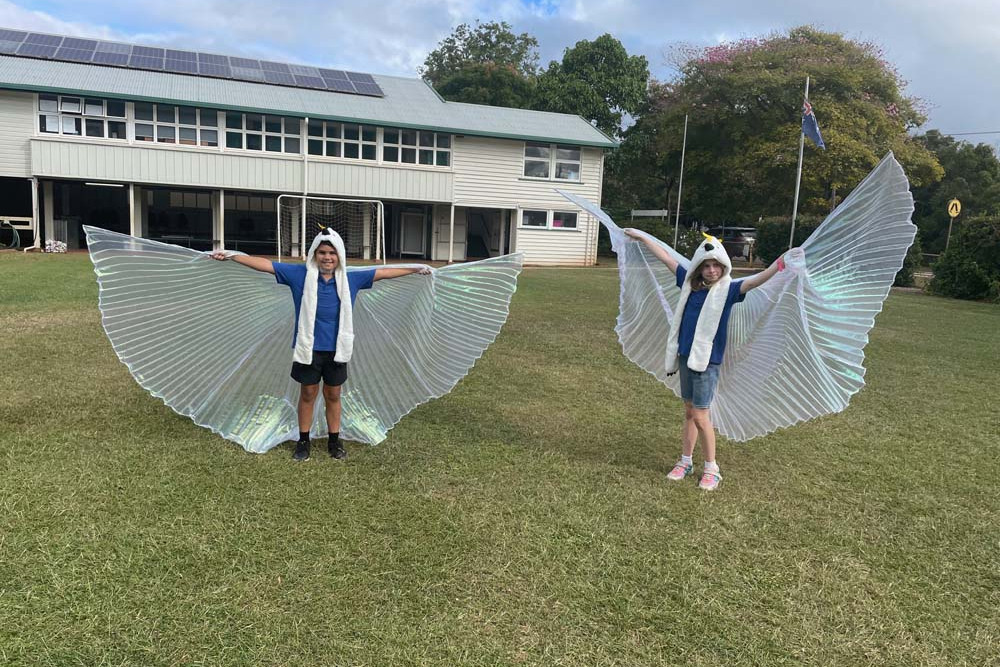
[689, 321]
[327, 300]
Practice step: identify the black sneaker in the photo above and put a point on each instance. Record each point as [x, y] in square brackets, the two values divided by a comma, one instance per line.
[337, 451]
[301, 451]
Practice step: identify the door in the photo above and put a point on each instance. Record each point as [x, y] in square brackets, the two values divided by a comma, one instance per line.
[413, 234]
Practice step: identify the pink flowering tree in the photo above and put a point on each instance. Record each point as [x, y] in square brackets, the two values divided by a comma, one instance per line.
[744, 101]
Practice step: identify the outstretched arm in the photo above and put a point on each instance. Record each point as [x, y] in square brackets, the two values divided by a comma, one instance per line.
[758, 279]
[381, 274]
[654, 248]
[256, 263]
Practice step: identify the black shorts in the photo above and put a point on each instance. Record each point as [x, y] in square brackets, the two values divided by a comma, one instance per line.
[323, 367]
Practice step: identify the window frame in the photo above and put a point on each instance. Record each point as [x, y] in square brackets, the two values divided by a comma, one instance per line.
[83, 118]
[552, 160]
[434, 145]
[264, 133]
[550, 215]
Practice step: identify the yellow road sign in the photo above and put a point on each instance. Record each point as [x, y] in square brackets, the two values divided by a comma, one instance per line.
[954, 208]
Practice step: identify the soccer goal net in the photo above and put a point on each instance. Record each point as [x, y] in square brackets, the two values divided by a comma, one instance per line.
[358, 221]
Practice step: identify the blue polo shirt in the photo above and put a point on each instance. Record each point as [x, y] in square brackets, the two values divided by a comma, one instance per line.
[327, 300]
[693, 309]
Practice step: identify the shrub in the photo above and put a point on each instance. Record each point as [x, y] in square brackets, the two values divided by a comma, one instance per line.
[914, 257]
[970, 268]
[772, 235]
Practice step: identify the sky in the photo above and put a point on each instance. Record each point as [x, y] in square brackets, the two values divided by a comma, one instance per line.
[947, 52]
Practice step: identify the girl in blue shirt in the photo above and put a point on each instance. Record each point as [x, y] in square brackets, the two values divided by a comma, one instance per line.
[698, 341]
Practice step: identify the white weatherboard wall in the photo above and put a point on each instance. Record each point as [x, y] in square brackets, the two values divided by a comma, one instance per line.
[489, 174]
[361, 180]
[17, 124]
[195, 167]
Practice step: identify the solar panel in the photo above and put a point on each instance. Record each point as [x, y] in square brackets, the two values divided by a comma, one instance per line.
[78, 49]
[339, 85]
[190, 56]
[213, 59]
[304, 70]
[279, 78]
[103, 58]
[36, 50]
[148, 51]
[209, 69]
[77, 43]
[182, 66]
[309, 81]
[114, 47]
[269, 66]
[145, 62]
[9, 46]
[12, 35]
[78, 55]
[358, 77]
[246, 63]
[368, 89]
[47, 40]
[247, 74]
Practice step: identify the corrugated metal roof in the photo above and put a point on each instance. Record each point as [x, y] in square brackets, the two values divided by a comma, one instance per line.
[407, 102]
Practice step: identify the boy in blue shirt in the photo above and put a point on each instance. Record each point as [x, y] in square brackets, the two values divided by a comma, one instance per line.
[316, 351]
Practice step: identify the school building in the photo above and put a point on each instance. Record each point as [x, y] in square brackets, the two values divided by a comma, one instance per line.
[195, 148]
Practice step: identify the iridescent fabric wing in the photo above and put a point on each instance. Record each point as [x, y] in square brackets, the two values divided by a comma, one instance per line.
[211, 339]
[647, 294]
[796, 344]
[417, 336]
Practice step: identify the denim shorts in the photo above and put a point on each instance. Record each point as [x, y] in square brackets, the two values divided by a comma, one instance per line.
[698, 388]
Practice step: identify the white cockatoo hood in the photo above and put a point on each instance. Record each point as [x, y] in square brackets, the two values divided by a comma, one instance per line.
[710, 248]
[330, 236]
[307, 310]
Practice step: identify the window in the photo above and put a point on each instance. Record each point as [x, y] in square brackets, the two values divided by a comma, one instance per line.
[554, 161]
[549, 219]
[332, 139]
[416, 147]
[564, 219]
[534, 218]
[187, 126]
[259, 132]
[81, 117]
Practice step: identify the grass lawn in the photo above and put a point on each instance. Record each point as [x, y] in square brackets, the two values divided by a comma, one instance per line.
[524, 519]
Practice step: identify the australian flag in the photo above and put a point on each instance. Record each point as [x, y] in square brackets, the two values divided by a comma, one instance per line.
[810, 127]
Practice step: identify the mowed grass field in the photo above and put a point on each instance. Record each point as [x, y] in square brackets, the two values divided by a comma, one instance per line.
[524, 519]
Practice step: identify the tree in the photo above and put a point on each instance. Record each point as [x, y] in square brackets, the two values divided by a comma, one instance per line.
[970, 268]
[744, 104]
[496, 85]
[971, 175]
[598, 80]
[484, 44]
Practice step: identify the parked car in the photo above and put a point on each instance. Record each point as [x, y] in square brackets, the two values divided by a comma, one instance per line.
[738, 241]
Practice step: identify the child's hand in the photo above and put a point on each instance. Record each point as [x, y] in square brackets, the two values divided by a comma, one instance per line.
[633, 233]
[794, 258]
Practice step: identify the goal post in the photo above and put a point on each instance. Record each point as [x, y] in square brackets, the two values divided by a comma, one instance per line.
[360, 222]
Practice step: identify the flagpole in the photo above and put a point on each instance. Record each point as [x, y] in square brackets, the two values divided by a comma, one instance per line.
[680, 182]
[798, 175]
